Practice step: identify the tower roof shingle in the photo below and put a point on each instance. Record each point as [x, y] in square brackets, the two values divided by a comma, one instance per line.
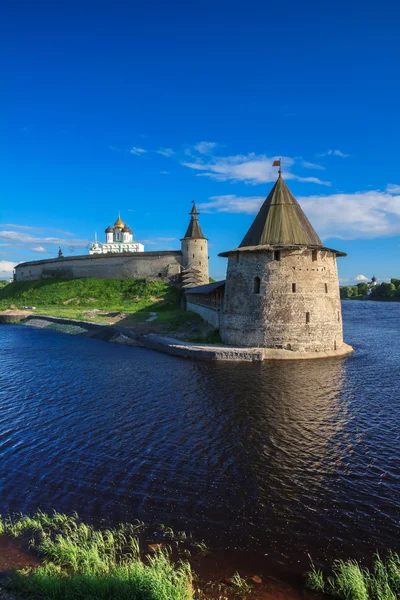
[280, 223]
[194, 229]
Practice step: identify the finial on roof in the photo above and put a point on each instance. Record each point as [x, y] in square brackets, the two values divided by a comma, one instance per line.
[194, 229]
[277, 163]
[194, 210]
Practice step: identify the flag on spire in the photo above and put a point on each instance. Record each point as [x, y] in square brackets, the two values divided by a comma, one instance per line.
[276, 163]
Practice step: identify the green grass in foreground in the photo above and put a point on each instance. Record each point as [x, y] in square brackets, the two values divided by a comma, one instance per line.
[129, 295]
[80, 562]
[351, 581]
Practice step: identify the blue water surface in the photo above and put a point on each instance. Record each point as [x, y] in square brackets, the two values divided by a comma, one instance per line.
[284, 458]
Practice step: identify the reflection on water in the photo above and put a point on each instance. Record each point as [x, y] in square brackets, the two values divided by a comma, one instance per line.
[283, 459]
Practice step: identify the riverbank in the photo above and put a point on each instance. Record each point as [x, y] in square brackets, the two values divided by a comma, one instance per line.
[142, 336]
[137, 312]
[57, 556]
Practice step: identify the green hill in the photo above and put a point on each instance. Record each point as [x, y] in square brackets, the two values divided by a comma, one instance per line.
[129, 295]
[126, 302]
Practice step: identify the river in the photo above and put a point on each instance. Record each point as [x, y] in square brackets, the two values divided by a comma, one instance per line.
[280, 459]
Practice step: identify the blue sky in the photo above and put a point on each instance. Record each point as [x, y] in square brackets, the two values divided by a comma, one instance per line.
[142, 107]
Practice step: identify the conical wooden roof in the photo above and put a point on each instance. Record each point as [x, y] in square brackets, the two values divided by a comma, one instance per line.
[194, 229]
[281, 222]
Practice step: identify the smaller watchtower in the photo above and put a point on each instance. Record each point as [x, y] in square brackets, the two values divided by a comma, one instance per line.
[194, 247]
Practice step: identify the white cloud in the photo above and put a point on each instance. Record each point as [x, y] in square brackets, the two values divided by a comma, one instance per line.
[334, 153]
[23, 239]
[310, 165]
[250, 168]
[39, 249]
[368, 214]
[393, 189]
[360, 215]
[64, 232]
[361, 278]
[232, 204]
[165, 151]
[137, 151]
[157, 240]
[205, 147]
[164, 172]
[26, 227]
[6, 269]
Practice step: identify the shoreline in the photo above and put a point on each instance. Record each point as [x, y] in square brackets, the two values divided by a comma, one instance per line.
[210, 571]
[166, 344]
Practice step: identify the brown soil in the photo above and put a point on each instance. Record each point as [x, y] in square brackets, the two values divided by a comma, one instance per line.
[76, 300]
[14, 555]
[214, 573]
[16, 312]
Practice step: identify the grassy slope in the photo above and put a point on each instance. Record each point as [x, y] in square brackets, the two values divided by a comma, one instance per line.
[73, 298]
[136, 298]
[107, 294]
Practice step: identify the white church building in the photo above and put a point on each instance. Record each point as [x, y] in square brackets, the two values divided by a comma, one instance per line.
[118, 239]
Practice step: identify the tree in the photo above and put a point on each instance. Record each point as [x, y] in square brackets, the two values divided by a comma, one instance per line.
[362, 288]
[384, 290]
[395, 281]
[347, 291]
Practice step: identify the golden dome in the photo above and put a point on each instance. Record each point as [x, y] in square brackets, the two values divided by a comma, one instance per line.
[119, 224]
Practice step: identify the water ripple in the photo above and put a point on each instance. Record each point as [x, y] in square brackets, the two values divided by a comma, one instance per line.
[283, 458]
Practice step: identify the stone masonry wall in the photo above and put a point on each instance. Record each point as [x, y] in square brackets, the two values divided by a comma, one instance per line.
[297, 308]
[195, 255]
[152, 265]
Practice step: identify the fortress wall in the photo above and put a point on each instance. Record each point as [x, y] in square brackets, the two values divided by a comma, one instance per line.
[306, 317]
[166, 265]
[209, 314]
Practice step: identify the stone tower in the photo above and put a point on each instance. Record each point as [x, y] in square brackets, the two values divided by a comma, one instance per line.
[282, 287]
[194, 248]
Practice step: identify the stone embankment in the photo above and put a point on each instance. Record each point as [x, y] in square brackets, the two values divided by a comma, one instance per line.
[169, 345]
[14, 315]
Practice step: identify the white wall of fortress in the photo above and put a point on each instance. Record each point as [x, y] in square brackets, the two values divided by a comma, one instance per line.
[152, 265]
[209, 314]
